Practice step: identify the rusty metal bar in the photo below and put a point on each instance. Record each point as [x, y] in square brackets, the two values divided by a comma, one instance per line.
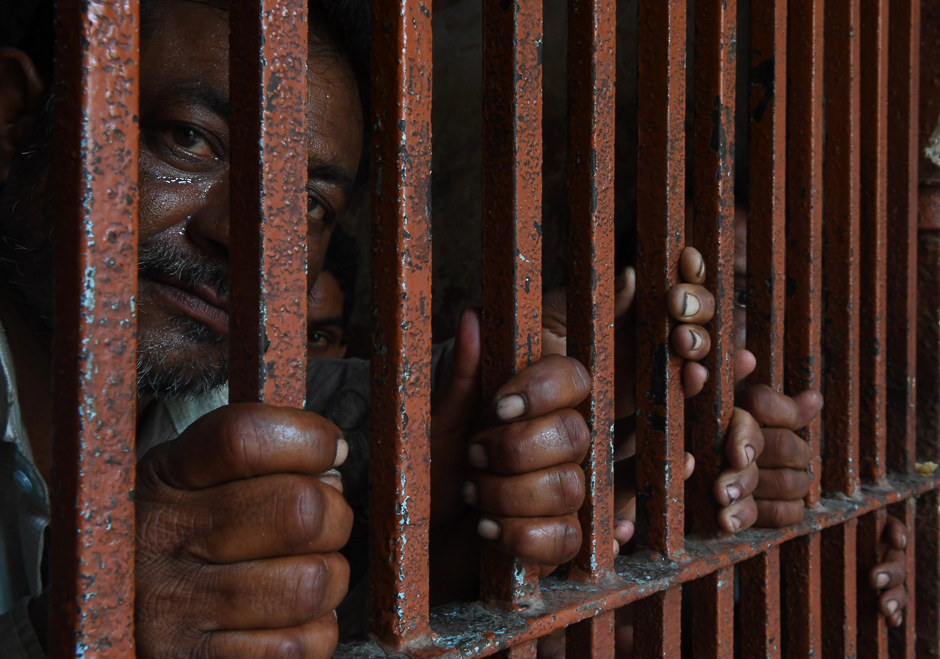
[766, 225]
[760, 605]
[268, 345]
[476, 630]
[872, 423]
[927, 574]
[400, 502]
[591, 127]
[512, 200]
[840, 234]
[657, 625]
[592, 638]
[903, 640]
[805, 50]
[94, 347]
[904, 73]
[713, 222]
[661, 238]
[839, 599]
[713, 615]
[802, 575]
[872, 627]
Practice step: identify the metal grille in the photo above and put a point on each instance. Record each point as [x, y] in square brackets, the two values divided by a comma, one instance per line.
[833, 292]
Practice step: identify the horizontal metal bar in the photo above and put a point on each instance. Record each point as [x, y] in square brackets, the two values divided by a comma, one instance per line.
[474, 630]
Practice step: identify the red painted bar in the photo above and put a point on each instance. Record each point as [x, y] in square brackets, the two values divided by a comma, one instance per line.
[902, 642]
[657, 625]
[269, 201]
[661, 238]
[904, 75]
[591, 78]
[94, 347]
[713, 615]
[927, 575]
[805, 51]
[713, 217]
[872, 423]
[401, 366]
[591, 639]
[512, 215]
[801, 564]
[872, 628]
[839, 597]
[841, 237]
[760, 605]
[766, 225]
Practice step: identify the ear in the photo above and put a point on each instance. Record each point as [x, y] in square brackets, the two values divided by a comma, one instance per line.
[21, 94]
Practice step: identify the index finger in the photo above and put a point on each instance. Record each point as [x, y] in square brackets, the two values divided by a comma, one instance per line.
[552, 383]
[236, 442]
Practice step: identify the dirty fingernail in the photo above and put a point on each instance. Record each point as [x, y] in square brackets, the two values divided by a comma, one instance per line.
[342, 452]
[470, 493]
[696, 340]
[881, 580]
[477, 456]
[892, 606]
[736, 524]
[488, 529]
[750, 452]
[701, 269]
[510, 407]
[733, 492]
[690, 305]
[904, 541]
[616, 548]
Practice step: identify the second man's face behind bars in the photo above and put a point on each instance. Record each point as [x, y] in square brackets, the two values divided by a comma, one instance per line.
[184, 189]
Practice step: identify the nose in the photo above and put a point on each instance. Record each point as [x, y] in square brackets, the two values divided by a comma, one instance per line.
[208, 227]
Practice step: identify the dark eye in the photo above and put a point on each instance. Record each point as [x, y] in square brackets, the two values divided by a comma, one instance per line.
[191, 140]
[316, 211]
[740, 298]
[318, 339]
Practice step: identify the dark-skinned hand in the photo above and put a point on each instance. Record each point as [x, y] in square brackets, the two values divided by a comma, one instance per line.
[239, 524]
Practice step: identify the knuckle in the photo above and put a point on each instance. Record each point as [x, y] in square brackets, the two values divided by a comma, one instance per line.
[573, 430]
[300, 514]
[567, 487]
[289, 645]
[307, 590]
[567, 541]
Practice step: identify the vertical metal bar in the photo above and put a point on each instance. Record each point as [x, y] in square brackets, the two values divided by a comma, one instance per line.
[713, 615]
[904, 72]
[872, 423]
[661, 238]
[804, 212]
[802, 573]
[269, 201]
[839, 598]
[927, 574]
[92, 560]
[657, 625]
[512, 199]
[872, 627]
[760, 605]
[713, 181]
[766, 225]
[401, 364]
[591, 639]
[591, 75]
[840, 233]
[902, 641]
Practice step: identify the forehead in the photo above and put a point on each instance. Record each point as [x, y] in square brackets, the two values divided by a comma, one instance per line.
[186, 48]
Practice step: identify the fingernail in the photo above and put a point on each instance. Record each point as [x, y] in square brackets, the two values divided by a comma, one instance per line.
[904, 541]
[342, 452]
[733, 492]
[624, 530]
[897, 619]
[690, 305]
[736, 523]
[696, 340]
[881, 580]
[470, 493]
[892, 606]
[701, 269]
[488, 529]
[749, 451]
[477, 455]
[510, 407]
[616, 548]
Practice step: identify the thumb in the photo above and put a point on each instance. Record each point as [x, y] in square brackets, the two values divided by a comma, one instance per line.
[459, 401]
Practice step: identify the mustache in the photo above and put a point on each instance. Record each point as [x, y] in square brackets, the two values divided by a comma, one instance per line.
[158, 259]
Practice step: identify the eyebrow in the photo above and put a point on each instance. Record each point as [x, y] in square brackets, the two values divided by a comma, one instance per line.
[204, 94]
[330, 173]
[326, 322]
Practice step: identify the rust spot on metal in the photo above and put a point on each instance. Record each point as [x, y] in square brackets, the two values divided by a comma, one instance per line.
[838, 545]
[802, 574]
[713, 615]
[760, 605]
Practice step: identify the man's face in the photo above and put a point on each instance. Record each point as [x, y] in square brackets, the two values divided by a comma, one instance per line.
[184, 190]
[325, 319]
